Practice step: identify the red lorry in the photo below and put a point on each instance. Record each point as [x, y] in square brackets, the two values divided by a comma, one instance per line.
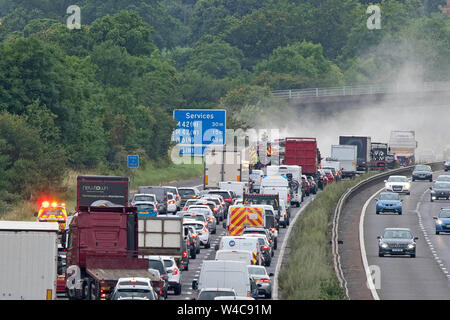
[302, 152]
[102, 246]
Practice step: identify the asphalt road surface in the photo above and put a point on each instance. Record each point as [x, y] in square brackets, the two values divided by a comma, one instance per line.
[401, 277]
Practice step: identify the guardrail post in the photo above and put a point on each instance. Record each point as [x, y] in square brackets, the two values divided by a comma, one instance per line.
[317, 92]
[290, 94]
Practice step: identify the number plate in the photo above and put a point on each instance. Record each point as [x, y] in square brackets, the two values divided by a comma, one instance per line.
[397, 250]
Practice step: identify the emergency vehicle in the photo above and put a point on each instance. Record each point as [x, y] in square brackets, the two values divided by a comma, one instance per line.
[240, 217]
[53, 212]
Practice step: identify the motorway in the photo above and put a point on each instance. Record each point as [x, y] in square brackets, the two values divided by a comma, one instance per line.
[209, 254]
[401, 277]
[195, 265]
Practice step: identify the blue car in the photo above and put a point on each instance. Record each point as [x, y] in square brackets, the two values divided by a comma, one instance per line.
[146, 209]
[389, 202]
[443, 221]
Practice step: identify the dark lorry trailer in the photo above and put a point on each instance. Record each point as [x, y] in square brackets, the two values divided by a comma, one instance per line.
[102, 246]
[363, 150]
[102, 190]
[378, 154]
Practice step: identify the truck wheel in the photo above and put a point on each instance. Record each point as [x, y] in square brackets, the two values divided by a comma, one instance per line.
[275, 244]
[297, 204]
[86, 289]
[94, 291]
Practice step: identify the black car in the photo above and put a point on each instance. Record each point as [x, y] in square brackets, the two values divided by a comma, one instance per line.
[397, 241]
[447, 165]
[422, 172]
[440, 190]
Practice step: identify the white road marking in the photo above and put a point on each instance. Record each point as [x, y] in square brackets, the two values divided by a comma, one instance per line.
[362, 246]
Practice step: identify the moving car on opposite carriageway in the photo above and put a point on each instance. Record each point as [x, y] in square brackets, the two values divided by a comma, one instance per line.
[400, 184]
[397, 241]
[442, 222]
[389, 202]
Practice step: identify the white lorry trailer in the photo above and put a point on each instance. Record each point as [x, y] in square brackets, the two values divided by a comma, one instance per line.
[295, 184]
[225, 164]
[347, 156]
[29, 257]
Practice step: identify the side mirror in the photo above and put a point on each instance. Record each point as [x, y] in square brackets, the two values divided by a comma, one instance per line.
[376, 199]
[35, 213]
[435, 218]
[216, 247]
[401, 200]
[378, 237]
[385, 181]
[195, 285]
[224, 224]
[416, 238]
[431, 188]
[271, 274]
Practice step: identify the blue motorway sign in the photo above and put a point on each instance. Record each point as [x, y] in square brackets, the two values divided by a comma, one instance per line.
[198, 128]
[133, 161]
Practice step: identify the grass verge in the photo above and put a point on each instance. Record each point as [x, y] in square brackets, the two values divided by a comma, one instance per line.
[309, 272]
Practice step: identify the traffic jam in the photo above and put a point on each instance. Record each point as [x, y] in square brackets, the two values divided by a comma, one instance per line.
[216, 241]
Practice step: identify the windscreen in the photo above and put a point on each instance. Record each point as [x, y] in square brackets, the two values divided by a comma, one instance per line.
[210, 295]
[151, 198]
[186, 193]
[389, 196]
[134, 293]
[397, 234]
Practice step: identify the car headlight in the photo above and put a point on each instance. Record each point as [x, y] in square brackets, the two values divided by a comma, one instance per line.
[408, 186]
[411, 246]
[384, 245]
[439, 221]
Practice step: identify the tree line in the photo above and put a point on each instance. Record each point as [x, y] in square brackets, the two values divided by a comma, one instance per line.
[86, 98]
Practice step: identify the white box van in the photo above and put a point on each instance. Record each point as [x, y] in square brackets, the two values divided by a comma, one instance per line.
[242, 243]
[276, 185]
[237, 187]
[224, 274]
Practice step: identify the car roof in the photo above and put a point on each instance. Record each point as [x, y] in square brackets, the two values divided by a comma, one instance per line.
[217, 289]
[144, 194]
[402, 229]
[144, 202]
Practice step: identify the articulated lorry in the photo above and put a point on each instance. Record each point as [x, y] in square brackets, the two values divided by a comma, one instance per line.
[29, 255]
[403, 144]
[106, 240]
[363, 150]
[378, 154]
[302, 152]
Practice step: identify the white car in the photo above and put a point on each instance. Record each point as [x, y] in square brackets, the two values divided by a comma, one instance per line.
[202, 231]
[399, 184]
[171, 203]
[176, 195]
[143, 197]
[213, 293]
[189, 203]
[134, 289]
[174, 274]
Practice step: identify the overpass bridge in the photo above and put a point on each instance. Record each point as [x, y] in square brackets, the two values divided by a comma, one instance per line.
[347, 97]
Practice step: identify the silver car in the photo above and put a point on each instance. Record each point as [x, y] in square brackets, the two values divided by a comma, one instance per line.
[206, 211]
[262, 280]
